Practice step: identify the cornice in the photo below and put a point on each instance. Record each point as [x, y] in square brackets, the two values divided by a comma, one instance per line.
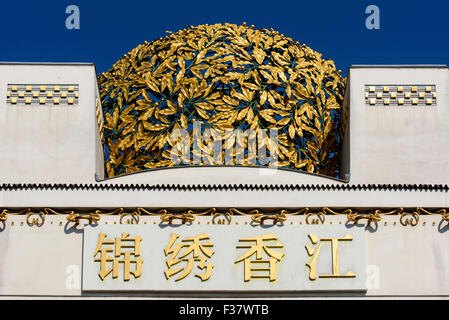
[223, 187]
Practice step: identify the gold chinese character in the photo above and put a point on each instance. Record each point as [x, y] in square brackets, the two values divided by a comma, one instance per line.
[335, 258]
[258, 248]
[193, 247]
[132, 247]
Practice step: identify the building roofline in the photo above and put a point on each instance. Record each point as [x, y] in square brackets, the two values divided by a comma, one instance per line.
[98, 187]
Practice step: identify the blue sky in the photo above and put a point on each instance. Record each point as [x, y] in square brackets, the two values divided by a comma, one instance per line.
[411, 32]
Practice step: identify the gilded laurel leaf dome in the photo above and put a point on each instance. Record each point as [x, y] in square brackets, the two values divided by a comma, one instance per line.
[224, 78]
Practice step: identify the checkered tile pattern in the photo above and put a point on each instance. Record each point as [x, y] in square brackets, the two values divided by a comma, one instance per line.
[400, 95]
[42, 94]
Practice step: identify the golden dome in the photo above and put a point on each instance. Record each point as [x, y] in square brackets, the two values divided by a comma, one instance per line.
[224, 77]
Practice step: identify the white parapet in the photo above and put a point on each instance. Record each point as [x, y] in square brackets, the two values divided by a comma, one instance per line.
[48, 125]
[398, 128]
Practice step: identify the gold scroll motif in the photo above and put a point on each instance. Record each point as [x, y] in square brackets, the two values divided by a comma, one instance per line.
[407, 216]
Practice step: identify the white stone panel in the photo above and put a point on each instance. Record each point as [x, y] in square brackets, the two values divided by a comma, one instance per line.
[398, 144]
[48, 144]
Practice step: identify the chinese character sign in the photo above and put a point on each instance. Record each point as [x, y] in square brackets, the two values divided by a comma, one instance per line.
[223, 258]
[255, 266]
[191, 250]
[123, 250]
[314, 254]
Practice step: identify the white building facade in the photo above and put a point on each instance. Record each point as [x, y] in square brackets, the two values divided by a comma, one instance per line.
[388, 215]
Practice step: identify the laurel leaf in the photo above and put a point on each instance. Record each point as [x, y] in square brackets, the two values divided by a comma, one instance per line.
[259, 55]
[154, 127]
[263, 97]
[291, 131]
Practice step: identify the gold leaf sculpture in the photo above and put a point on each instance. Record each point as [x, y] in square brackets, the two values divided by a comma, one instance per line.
[225, 77]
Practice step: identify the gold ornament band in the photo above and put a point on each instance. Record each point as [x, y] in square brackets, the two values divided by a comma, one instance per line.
[407, 216]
